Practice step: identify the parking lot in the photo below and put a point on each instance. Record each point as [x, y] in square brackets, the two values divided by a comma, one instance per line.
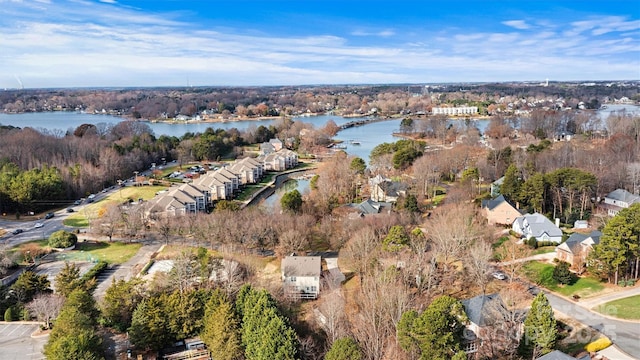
[16, 342]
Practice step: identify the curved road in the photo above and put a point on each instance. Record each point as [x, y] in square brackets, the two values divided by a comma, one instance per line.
[626, 335]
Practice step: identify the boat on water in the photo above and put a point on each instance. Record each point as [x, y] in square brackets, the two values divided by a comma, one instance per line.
[354, 142]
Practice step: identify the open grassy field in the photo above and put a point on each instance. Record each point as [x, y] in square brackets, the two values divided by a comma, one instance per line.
[92, 211]
[111, 252]
[542, 274]
[627, 308]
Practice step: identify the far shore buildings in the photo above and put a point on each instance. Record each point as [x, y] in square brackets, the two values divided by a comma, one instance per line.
[455, 111]
[224, 183]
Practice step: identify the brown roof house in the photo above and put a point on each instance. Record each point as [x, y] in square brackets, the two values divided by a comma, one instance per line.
[499, 211]
[576, 249]
[301, 276]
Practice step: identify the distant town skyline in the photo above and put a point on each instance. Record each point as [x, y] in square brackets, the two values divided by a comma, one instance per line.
[122, 43]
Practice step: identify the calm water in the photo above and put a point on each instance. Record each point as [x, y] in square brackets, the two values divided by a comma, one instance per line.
[368, 136]
[302, 185]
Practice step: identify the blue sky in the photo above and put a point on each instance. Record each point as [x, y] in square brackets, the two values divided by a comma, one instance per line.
[114, 43]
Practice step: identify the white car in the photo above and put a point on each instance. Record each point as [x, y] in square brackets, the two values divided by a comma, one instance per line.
[92, 196]
[499, 275]
[38, 225]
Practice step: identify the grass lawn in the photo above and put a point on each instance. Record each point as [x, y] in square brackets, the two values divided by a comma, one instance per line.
[542, 274]
[627, 308]
[81, 218]
[111, 252]
[544, 250]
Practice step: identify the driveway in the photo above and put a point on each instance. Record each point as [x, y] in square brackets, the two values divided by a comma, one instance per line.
[17, 344]
[623, 334]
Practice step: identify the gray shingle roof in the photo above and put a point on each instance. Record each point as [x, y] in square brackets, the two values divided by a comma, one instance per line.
[623, 195]
[484, 310]
[301, 266]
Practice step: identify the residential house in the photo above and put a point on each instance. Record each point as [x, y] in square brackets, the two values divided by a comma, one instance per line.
[195, 194]
[174, 202]
[267, 148]
[537, 226]
[577, 247]
[490, 324]
[388, 191]
[276, 143]
[301, 276]
[227, 173]
[290, 158]
[377, 180]
[563, 136]
[248, 174]
[274, 162]
[617, 200]
[499, 211]
[368, 207]
[213, 188]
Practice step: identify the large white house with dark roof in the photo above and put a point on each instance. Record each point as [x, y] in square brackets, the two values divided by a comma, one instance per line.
[619, 199]
[537, 226]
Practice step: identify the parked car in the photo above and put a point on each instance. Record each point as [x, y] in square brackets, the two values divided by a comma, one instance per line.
[77, 202]
[91, 196]
[38, 225]
[499, 275]
[89, 201]
[17, 231]
[48, 216]
[70, 210]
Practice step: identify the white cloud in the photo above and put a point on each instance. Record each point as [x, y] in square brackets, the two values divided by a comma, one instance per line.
[517, 24]
[381, 33]
[94, 44]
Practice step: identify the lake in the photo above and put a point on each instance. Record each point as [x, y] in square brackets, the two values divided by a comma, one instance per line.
[359, 140]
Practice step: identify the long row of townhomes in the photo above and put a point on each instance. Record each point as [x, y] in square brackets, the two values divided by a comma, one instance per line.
[221, 184]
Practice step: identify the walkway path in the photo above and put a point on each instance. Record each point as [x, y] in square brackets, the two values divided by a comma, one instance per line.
[540, 257]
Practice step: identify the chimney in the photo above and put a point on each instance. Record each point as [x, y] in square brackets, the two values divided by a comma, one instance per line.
[558, 222]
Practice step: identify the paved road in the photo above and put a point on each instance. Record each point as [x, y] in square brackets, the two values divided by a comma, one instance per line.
[16, 342]
[592, 302]
[625, 335]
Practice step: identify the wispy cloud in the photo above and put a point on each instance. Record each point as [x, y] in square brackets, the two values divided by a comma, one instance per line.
[517, 24]
[380, 33]
[106, 44]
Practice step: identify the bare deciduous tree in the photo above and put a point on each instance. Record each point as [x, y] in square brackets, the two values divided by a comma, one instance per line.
[45, 307]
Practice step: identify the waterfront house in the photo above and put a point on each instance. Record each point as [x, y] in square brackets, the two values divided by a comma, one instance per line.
[388, 191]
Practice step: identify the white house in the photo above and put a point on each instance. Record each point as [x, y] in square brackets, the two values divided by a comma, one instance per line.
[537, 226]
[619, 199]
[301, 276]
